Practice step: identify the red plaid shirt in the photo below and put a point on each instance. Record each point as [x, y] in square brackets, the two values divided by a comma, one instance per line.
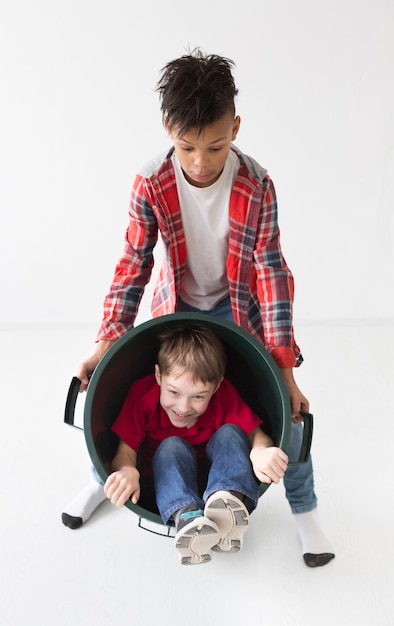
[260, 283]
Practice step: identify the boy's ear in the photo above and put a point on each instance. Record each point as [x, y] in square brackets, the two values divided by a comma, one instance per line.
[218, 385]
[157, 374]
[167, 126]
[236, 125]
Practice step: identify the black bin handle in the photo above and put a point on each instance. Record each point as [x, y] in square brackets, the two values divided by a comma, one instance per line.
[306, 439]
[72, 395]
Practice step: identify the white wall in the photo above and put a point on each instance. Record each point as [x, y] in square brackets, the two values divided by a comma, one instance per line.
[79, 115]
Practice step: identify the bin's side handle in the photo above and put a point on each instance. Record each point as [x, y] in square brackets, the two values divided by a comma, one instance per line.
[306, 439]
[69, 411]
[167, 531]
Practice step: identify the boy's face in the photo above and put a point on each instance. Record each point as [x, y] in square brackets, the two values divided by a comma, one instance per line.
[183, 399]
[203, 156]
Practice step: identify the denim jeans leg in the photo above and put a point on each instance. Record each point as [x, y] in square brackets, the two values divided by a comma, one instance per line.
[95, 475]
[228, 452]
[298, 479]
[174, 469]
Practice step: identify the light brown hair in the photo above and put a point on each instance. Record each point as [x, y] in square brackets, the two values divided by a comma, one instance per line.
[197, 351]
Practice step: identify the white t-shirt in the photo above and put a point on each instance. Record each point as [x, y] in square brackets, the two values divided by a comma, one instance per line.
[205, 219]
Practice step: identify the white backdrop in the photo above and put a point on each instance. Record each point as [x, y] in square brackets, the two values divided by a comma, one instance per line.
[79, 115]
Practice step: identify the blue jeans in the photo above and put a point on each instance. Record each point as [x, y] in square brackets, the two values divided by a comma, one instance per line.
[298, 479]
[222, 309]
[180, 480]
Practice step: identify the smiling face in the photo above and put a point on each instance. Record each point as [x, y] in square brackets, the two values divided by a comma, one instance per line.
[202, 156]
[182, 398]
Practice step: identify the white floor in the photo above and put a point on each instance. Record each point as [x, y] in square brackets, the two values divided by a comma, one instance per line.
[110, 572]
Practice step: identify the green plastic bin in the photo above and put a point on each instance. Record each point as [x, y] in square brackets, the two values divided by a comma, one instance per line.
[250, 368]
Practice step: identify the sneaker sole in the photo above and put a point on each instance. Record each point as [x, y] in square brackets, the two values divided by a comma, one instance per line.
[196, 540]
[232, 518]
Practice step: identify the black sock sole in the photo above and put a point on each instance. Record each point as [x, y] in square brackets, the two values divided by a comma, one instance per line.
[318, 560]
[72, 522]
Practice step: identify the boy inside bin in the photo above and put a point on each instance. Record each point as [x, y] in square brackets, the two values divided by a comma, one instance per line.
[201, 446]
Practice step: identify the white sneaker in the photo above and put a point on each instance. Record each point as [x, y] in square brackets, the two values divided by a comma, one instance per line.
[194, 540]
[232, 518]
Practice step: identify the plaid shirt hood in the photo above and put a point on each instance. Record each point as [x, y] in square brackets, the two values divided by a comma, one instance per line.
[261, 286]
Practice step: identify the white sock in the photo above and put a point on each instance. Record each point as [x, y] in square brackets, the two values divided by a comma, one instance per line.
[312, 537]
[86, 501]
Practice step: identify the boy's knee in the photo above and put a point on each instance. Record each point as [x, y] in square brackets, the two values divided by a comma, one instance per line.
[230, 433]
[231, 430]
[172, 452]
[171, 445]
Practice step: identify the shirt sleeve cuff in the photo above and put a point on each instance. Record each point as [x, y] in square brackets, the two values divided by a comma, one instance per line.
[111, 333]
[286, 357]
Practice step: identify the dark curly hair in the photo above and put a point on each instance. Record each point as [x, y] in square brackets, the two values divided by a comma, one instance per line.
[196, 90]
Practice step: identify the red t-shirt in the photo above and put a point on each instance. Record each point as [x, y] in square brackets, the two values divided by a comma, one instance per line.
[143, 424]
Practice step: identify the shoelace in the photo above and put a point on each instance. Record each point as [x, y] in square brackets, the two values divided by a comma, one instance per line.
[188, 515]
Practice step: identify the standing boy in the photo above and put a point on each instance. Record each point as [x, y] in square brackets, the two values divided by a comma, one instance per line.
[216, 211]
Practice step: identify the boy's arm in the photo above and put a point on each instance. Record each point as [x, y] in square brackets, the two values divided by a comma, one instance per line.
[87, 368]
[124, 482]
[269, 462]
[274, 284]
[133, 270]
[298, 401]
